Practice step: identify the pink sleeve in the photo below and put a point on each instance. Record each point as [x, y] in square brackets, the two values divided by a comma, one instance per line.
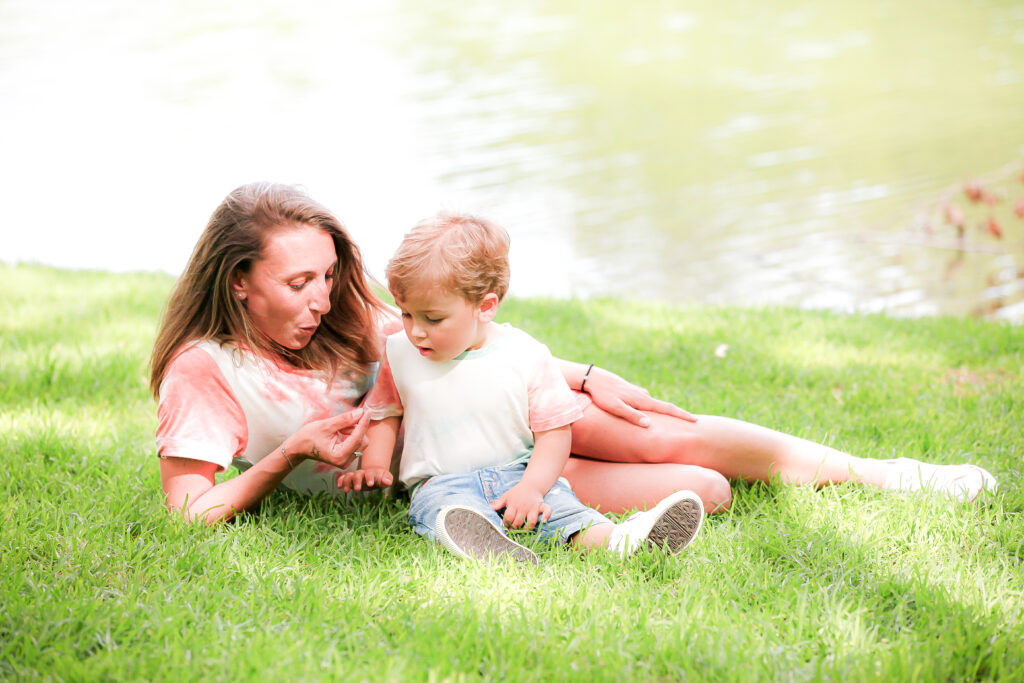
[198, 416]
[383, 400]
[552, 403]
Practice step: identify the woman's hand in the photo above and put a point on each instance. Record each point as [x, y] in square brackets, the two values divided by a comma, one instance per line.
[334, 440]
[523, 505]
[624, 399]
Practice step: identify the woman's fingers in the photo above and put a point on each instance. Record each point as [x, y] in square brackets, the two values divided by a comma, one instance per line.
[355, 437]
[336, 445]
[632, 411]
[631, 415]
[655, 405]
[344, 421]
[627, 400]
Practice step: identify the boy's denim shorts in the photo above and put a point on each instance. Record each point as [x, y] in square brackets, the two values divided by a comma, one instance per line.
[478, 489]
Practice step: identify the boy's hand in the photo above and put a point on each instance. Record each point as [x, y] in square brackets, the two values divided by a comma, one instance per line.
[370, 478]
[523, 505]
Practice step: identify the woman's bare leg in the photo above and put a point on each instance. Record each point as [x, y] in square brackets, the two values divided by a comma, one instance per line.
[618, 487]
[737, 450]
[733, 448]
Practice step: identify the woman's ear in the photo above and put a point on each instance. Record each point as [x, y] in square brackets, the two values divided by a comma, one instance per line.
[488, 307]
[239, 288]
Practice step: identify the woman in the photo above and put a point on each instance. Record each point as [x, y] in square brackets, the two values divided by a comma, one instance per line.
[270, 341]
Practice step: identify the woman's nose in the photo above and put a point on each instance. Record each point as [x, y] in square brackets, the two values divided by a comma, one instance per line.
[321, 299]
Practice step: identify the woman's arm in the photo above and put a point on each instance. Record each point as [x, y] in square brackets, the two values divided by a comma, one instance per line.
[615, 395]
[190, 487]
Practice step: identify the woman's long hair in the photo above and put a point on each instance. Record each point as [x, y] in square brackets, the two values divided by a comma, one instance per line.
[201, 306]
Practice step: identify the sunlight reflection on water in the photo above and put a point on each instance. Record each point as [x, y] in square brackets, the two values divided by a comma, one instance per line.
[794, 156]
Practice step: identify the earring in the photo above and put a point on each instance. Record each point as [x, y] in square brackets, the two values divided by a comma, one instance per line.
[240, 295]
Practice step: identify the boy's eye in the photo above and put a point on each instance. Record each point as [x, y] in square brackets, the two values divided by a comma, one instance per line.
[433, 321]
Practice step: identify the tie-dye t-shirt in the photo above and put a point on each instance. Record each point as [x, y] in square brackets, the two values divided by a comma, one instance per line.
[222, 405]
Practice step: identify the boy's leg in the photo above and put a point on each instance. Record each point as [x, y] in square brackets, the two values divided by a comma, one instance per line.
[468, 534]
[571, 521]
[442, 490]
[452, 511]
[671, 525]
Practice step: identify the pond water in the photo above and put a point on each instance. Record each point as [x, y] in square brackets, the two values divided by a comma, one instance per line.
[800, 154]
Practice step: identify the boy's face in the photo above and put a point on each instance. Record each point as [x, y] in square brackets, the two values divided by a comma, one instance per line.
[442, 324]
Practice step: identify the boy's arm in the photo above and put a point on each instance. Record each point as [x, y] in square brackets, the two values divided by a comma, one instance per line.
[524, 502]
[375, 467]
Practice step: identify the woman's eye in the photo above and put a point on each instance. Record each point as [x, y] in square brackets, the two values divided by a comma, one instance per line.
[297, 286]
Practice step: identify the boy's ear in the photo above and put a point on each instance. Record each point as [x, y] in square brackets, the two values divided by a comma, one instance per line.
[488, 307]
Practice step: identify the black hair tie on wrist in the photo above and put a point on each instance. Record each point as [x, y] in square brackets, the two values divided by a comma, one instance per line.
[585, 376]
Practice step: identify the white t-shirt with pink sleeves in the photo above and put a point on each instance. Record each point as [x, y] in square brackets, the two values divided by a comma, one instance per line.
[477, 411]
[222, 405]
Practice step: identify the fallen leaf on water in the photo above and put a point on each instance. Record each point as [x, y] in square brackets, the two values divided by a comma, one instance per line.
[993, 228]
[973, 190]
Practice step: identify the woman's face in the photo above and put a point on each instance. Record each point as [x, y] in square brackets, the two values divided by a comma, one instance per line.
[288, 289]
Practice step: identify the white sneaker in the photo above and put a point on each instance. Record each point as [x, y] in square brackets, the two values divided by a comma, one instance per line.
[468, 534]
[672, 525]
[959, 482]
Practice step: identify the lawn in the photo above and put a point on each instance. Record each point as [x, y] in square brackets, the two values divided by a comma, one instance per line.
[98, 582]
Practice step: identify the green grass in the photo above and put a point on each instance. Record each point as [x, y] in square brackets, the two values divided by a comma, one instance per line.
[98, 582]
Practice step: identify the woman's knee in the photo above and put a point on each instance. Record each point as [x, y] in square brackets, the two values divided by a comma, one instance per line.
[713, 488]
[719, 493]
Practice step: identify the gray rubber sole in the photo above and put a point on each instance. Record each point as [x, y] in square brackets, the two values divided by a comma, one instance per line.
[468, 534]
[677, 527]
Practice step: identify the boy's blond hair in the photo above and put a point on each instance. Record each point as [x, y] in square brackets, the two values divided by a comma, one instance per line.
[459, 252]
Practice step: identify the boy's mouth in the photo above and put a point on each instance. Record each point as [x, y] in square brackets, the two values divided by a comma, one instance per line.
[424, 351]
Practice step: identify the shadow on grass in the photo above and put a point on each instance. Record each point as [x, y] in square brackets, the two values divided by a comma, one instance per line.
[911, 615]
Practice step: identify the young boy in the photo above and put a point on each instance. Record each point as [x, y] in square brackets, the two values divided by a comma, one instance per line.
[485, 410]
